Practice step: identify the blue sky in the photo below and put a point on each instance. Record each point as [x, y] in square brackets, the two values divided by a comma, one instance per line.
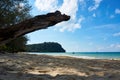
[94, 24]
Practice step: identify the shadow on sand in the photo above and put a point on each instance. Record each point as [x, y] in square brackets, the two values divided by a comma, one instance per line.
[28, 76]
[13, 67]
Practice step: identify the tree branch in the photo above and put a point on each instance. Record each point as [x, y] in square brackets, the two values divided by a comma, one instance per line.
[38, 22]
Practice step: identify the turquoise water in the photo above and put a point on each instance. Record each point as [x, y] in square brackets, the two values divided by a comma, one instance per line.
[87, 55]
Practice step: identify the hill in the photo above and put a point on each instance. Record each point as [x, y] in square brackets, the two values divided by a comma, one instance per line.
[45, 47]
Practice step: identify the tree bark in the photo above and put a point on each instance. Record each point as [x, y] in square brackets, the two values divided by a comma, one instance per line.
[36, 23]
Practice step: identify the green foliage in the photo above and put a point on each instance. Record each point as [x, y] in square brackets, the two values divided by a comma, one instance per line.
[45, 47]
[3, 48]
[17, 44]
[13, 12]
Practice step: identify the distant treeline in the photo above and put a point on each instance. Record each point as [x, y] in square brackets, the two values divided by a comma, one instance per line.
[45, 47]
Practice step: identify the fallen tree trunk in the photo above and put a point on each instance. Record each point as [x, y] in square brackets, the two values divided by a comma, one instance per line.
[38, 22]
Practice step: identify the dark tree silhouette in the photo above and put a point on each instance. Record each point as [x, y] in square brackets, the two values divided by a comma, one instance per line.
[38, 22]
[45, 47]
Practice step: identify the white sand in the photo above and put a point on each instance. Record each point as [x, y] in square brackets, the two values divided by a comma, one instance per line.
[42, 67]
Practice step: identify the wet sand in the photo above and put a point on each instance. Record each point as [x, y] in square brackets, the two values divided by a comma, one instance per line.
[22, 66]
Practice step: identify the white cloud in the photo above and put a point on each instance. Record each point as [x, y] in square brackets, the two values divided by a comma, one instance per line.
[70, 25]
[94, 15]
[112, 16]
[116, 34]
[96, 5]
[69, 7]
[117, 11]
[114, 46]
[82, 4]
[108, 48]
[118, 46]
[46, 5]
[108, 26]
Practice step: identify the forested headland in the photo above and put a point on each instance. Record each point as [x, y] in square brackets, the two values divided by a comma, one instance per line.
[45, 47]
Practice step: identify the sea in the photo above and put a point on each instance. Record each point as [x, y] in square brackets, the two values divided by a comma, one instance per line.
[85, 55]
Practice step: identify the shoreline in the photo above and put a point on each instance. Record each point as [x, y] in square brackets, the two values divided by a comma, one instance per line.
[74, 56]
[24, 66]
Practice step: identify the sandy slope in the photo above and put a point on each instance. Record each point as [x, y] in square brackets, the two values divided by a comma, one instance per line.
[42, 67]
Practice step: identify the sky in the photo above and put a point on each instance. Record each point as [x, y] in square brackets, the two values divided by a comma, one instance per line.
[94, 25]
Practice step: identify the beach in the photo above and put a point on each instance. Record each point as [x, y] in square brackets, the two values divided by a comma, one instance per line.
[24, 66]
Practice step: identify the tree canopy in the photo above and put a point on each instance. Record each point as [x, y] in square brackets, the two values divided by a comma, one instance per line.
[13, 12]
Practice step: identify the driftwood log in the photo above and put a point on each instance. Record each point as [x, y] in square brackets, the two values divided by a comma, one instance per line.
[36, 23]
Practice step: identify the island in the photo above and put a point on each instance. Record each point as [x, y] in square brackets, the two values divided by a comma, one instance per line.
[45, 47]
